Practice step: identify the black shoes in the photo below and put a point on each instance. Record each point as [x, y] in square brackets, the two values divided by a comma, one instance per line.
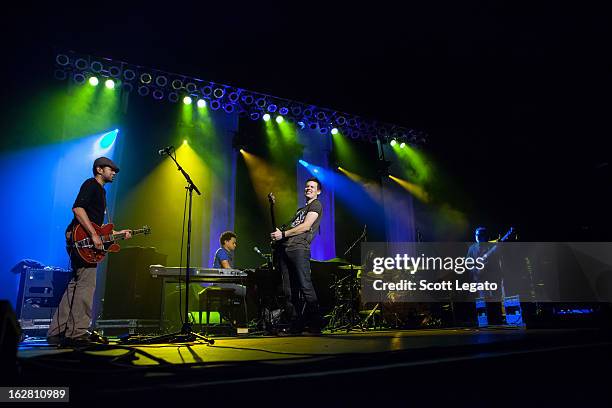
[89, 338]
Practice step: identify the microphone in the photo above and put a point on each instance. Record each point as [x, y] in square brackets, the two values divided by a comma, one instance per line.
[165, 150]
[260, 253]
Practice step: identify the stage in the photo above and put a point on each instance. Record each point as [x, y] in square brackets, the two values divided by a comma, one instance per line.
[467, 365]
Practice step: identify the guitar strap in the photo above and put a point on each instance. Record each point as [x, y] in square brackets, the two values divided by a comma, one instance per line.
[106, 212]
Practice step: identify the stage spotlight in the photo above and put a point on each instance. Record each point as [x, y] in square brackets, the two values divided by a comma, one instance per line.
[241, 150]
[402, 145]
[266, 117]
[272, 108]
[158, 94]
[352, 122]
[206, 90]
[261, 102]
[129, 75]
[187, 100]
[93, 81]
[312, 126]
[219, 92]
[81, 64]
[79, 79]
[96, 66]
[185, 141]
[143, 90]
[109, 84]
[177, 84]
[304, 163]
[228, 108]
[279, 119]
[248, 99]
[145, 78]
[296, 110]
[191, 87]
[393, 143]
[108, 139]
[316, 170]
[308, 112]
[340, 120]
[301, 124]
[173, 97]
[321, 116]
[254, 116]
[201, 103]
[114, 71]
[214, 105]
[283, 111]
[161, 81]
[334, 131]
[233, 97]
[323, 130]
[62, 60]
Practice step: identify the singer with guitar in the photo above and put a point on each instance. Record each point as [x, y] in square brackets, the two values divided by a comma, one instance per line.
[293, 252]
[71, 321]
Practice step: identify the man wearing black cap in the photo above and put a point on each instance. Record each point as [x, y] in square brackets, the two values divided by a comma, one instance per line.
[73, 317]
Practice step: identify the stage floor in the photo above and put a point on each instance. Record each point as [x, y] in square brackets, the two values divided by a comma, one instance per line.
[339, 366]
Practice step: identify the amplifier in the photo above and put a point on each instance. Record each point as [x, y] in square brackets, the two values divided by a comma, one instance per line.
[40, 291]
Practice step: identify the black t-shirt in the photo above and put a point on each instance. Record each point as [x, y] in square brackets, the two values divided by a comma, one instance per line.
[92, 198]
[303, 240]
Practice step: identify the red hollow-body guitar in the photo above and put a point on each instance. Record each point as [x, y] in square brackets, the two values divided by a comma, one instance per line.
[84, 245]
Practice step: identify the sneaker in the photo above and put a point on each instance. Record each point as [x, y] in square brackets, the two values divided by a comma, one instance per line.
[96, 337]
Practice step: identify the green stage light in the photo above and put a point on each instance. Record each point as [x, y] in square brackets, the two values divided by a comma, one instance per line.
[402, 145]
[334, 131]
[110, 84]
[393, 142]
[93, 81]
[201, 103]
[187, 100]
[279, 119]
[266, 117]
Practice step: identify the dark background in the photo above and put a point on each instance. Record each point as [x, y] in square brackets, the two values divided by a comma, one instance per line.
[515, 98]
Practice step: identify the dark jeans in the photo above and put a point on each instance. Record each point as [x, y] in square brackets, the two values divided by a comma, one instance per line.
[295, 271]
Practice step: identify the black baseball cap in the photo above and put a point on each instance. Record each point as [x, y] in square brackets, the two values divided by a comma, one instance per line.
[105, 161]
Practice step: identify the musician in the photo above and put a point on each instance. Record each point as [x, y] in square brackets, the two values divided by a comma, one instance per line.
[491, 271]
[73, 317]
[224, 257]
[294, 260]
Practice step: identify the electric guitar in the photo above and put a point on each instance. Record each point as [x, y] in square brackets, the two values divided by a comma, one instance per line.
[85, 248]
[494, 247]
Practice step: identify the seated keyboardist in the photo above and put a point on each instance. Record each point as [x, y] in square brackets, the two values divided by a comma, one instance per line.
[224, 258]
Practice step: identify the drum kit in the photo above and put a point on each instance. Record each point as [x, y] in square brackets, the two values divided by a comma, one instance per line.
[350, 312]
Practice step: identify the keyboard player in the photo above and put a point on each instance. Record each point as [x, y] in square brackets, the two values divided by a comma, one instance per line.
[224, 258]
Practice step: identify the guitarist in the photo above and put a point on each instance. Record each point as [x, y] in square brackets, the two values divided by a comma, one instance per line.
[71, 321]
[294, 261]
[486, 247]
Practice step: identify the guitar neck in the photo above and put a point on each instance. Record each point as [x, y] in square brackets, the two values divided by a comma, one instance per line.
[121, 235]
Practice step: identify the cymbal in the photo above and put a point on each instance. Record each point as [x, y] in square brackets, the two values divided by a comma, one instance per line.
[333, 261]
[353, 267]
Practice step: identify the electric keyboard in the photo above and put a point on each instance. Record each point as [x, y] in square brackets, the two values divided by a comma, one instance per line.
[195, 272]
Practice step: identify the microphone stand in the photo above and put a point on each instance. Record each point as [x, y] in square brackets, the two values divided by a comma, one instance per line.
[186, 334]
[353, 318]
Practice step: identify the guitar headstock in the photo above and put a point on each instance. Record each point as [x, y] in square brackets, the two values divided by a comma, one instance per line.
[271, 199]
[508, 234]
